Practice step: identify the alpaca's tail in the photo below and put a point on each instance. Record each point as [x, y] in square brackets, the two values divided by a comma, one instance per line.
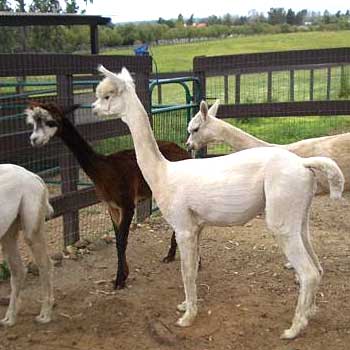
[331, 170]
[49, 209]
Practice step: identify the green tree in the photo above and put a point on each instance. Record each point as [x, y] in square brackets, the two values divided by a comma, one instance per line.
[214, 20]
[5, 5]
[180, 21]
[45, 6]
[71, 6]
[227, 19]
[190, 21]
[300, 17]
[8, 36]
[276, 16]
[326, 17]
[290, 17]
[46, 38]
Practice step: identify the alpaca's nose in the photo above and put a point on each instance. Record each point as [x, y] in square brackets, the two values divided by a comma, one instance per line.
[33, 139]
[189, 146]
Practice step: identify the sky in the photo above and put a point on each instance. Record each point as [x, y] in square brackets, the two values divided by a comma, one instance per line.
[145, 10]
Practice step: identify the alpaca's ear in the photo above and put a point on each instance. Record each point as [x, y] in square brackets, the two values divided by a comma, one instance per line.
[213, 110]
[125, 75]
[204, 110]
[70, 109]
[31, 104]
[114, 77]
[105, 71]
[28, 112]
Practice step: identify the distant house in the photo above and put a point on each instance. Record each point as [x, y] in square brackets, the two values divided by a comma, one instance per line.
[200, 25]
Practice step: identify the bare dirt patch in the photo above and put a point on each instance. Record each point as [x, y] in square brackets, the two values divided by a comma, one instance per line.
[247, 297]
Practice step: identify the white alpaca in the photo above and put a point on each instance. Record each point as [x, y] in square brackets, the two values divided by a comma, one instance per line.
[204, 129]
[24, 205]
[227, 190]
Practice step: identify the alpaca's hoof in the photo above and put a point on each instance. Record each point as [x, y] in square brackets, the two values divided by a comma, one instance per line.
[43, 319]
[168, 259]
[119, 284]
[8, 321]
[186, 320]
[295, 330]
[289, 334]
[181, 307]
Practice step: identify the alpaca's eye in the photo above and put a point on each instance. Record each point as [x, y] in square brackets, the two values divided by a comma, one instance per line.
[51, 124]
[195, 130]
[107, 97]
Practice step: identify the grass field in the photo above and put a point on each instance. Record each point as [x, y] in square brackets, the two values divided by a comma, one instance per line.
[172, 58]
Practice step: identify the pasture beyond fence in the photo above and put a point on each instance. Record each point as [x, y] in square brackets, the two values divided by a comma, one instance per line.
[305, 89]
[286, 85]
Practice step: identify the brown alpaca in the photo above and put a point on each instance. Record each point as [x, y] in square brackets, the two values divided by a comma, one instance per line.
[117, 178]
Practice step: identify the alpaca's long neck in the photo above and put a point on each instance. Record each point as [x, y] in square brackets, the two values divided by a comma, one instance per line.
[149, 158]
[235, 137]
[82, 151]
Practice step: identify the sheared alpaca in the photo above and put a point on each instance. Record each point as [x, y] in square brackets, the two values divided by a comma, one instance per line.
[24, 204]
[228, 190]
[204, 129]
[117, 177]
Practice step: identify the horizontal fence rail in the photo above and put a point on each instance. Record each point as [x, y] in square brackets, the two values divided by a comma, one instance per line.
[287, 83]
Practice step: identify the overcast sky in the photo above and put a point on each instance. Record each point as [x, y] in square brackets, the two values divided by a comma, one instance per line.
[132, 10]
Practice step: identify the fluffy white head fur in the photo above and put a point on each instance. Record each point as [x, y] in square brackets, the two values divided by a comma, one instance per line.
[199, 126]
[109, 90]
[44, 126]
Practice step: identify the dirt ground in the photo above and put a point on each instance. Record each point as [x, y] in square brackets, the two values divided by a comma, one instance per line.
[247, 297]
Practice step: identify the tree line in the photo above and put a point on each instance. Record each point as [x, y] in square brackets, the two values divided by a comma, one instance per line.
[73, 39]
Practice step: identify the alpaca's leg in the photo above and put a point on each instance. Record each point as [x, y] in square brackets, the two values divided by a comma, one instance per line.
[172, 250]
[287, 209]
[305, 235]
[121, 235]
[309, 279]
[38, 246]
[308, 246]
[287, 227]
[182, 307]
[11, 254]
[188, 246]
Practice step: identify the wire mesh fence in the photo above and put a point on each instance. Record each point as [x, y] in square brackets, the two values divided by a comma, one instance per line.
[64, 80]
[308, 93]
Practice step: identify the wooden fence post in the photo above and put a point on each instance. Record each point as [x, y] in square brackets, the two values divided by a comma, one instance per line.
[144, 208]
[226, 89]
[238, 89]
[269, 86]
[201, 95]
[329, 77]
[68, 166]
[291, 85]
[312, 85]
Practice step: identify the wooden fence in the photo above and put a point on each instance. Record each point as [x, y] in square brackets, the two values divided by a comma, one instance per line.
[63, 67]
[290, 61]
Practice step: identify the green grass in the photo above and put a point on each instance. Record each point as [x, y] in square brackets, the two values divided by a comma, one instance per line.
[286, 129]
[172, 58]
